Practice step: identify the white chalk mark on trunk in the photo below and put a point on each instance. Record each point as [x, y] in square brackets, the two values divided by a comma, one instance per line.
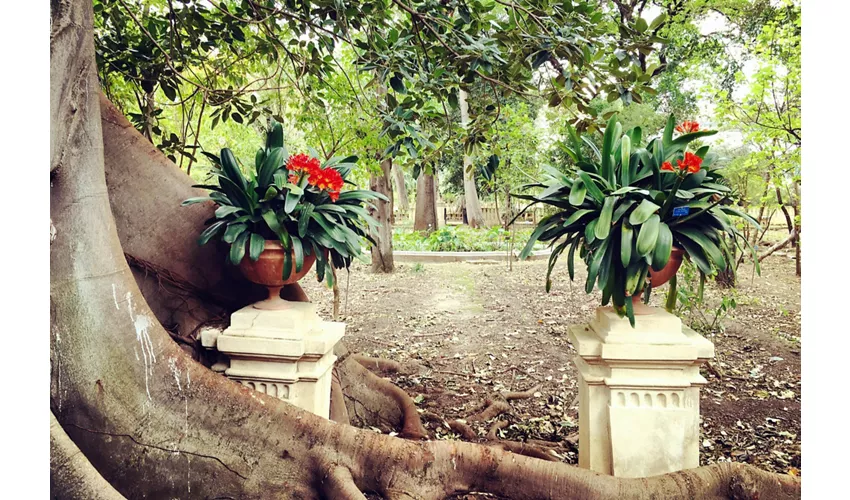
[141, 323]
[115, 297]
[58, 365]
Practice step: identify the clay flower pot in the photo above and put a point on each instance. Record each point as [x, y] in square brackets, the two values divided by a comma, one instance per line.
[658, 278]
[268, 271]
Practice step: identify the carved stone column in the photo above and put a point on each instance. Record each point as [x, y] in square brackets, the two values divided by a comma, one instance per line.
[639, 393]
[286, 353]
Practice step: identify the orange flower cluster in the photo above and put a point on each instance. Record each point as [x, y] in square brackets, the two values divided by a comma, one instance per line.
[692, 164]
[326, 179]
[687, 127]
[303, 163]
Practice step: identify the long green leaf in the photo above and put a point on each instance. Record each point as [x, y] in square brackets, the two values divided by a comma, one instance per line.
[590, 231]
[304, 218]
[577, 193]
[237, 249]
[236, 194]
[663, 247]
[708, 246]
[667, 138]
[256, 245]
[197, 199]
[603, 227]
[233, 231]
[545, 224]
[625, 160]
[746, 217]
[648, 235]
[643, 212]
[612, 131]
[684, 139]
[696, 254]
[274, 139]
[622, 209]
[299, 253]
[271, 220]
[593, 147]
[553, 257]
[571, 256]
[292, 200]
[273, 161]
[230, 167]
[591, 186]
[626, 243]
[578, 214]
[211, 231]
[320, 261]
[593, 266]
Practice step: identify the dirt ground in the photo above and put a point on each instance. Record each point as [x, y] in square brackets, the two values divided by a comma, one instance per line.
[470, 331]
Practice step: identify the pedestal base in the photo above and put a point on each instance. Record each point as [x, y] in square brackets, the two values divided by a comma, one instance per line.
[639, 393]
[285, 353]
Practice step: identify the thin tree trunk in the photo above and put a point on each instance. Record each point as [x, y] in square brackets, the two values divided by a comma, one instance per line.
[147, 113]
[474, 216]
[791, 237]
[762, 203]
[789, 221]
[400, 190]
[426, 205]
[382, 253]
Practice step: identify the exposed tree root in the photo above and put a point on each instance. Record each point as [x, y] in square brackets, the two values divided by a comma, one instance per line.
[492, 409]
[72, 476]
[493, 433]
[526, 450]
[463, 430]
[337, 483]
[512, 396]
[383, 365]
[410, 422]
[338, 413]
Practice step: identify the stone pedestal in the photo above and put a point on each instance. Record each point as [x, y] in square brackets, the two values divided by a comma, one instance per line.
[286, 353]
[639, 393]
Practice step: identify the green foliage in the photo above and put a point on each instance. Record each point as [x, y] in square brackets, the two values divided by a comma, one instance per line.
[458, 239]
[618, 209]
[267, 205]
[692, 305]
[229, 61]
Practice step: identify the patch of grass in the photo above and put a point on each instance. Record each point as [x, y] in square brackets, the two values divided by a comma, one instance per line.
[417, 267]
[461, 239]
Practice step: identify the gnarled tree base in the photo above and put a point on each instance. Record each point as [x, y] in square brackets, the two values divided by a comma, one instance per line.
[154, 423]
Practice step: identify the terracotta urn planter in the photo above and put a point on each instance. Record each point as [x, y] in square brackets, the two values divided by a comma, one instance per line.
[658, 278]
[268, 271]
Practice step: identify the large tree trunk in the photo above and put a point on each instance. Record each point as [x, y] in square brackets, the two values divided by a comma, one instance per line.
[382, 253]
[400, 191]
[155, 424]
[474, 215]
[426, 204]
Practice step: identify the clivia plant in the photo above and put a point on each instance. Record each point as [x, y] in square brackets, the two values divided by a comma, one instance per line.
[630, 209]
[295, 201]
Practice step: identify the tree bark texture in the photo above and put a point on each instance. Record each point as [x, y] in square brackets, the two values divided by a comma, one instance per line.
[382, 253]
[474, 215]
[426, 204]
[400, 190]
[153, 423]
